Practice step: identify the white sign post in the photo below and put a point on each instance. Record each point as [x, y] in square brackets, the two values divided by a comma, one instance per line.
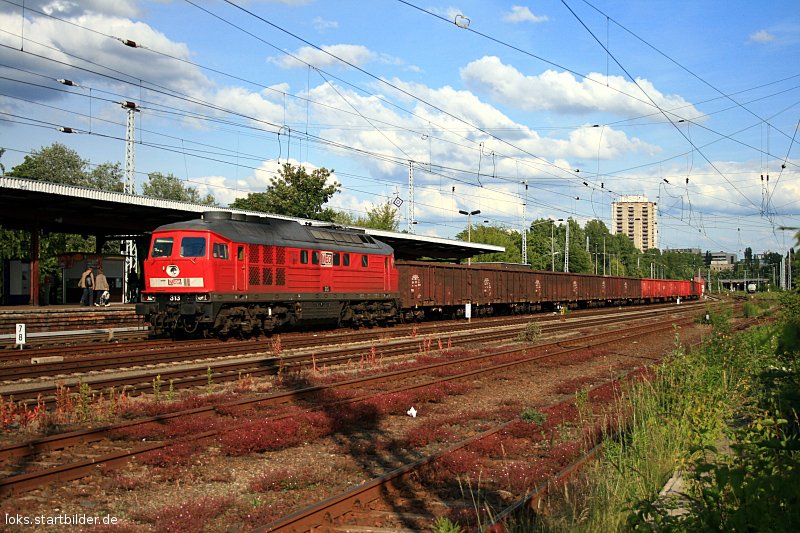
[21, 338]
[468, 311]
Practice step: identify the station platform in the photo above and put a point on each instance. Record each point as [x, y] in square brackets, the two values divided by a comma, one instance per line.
[66, 319]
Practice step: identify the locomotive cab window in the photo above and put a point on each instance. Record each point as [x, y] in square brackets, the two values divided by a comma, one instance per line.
[220, 251]
[364, 261]
[303, 257]
[314, 257]
[336, 259]
[346, 260]
[240, 253]
[193, 247]
[162, 247]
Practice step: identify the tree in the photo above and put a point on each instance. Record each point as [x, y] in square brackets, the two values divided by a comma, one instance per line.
[2, 166]
[55, 163]
[170, 187]
[58, 164]
[498, 237]
[579, 260]
[107, 177]
[294, 193]
[541, 238]
[382, 217]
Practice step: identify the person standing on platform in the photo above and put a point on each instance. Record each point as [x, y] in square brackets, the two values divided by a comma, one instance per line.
[100, 286]
[87, 284]
[133, 287]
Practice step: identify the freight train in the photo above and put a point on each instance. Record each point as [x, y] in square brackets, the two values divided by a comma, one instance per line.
[233, 274]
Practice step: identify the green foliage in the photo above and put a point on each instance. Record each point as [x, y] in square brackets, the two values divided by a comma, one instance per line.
[750, 310]
[497, 236]
[106, 177]
[533, 416]
[445, 525]
[170, 187]
[384, 217]
[157, 388]
[789, 340]
[733, 386]
[531, 332]
[294, 193]
[58, 164]
[753, 488]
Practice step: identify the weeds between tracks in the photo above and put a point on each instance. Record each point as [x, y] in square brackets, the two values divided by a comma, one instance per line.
[725, 416]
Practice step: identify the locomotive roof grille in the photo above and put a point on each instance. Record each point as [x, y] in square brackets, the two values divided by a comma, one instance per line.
[282, 233]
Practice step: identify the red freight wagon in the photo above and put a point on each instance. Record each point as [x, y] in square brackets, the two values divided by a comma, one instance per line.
[665, 289]
[443, 289]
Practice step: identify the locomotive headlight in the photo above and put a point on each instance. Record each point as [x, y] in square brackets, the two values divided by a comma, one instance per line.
[202, 298]
[148, 298]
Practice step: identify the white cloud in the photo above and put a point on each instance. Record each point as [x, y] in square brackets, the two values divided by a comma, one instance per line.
[522, 14]
[320, 24]
[450, 13]
[762, 36]
[73, 8]
[352, 53]
[258, 181]
[136, 64]
[561, 92]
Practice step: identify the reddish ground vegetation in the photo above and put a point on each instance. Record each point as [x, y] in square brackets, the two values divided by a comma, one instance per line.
[179, 454]
[424, 434]
[186, 517]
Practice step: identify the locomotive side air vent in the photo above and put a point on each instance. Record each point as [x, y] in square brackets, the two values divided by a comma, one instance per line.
[217, 215]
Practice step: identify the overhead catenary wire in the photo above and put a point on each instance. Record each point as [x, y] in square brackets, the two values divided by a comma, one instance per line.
[497, 175]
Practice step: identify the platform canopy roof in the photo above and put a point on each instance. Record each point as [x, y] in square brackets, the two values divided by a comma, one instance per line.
[52, 207]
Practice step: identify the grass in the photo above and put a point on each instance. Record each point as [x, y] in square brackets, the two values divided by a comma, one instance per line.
[738, 388]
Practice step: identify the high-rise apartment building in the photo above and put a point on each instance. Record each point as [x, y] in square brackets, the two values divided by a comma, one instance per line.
[635, 217]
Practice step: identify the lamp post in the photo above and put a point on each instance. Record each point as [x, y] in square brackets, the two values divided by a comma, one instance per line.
[552, 243]
[553, 253]
[469, 226]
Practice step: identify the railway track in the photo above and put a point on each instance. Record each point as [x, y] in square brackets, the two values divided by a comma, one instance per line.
[84, 331]
[521, 356]
[401, 500]
[211, 361]
[66, 326]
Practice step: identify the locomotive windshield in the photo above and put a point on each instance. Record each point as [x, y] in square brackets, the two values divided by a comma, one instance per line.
[193, 247]
[162, 247]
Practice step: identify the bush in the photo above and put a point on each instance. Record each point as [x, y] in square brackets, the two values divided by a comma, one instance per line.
[750, 310]
[532, 416]
[531, 333]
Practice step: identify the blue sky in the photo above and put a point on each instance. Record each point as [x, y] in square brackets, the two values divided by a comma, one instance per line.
[686, 102]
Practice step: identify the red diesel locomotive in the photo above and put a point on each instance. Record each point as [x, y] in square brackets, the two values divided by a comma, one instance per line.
[239, 274]
[232, 273]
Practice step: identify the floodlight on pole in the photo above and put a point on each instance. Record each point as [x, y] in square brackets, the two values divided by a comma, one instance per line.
[469, 226]
[130, 188]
